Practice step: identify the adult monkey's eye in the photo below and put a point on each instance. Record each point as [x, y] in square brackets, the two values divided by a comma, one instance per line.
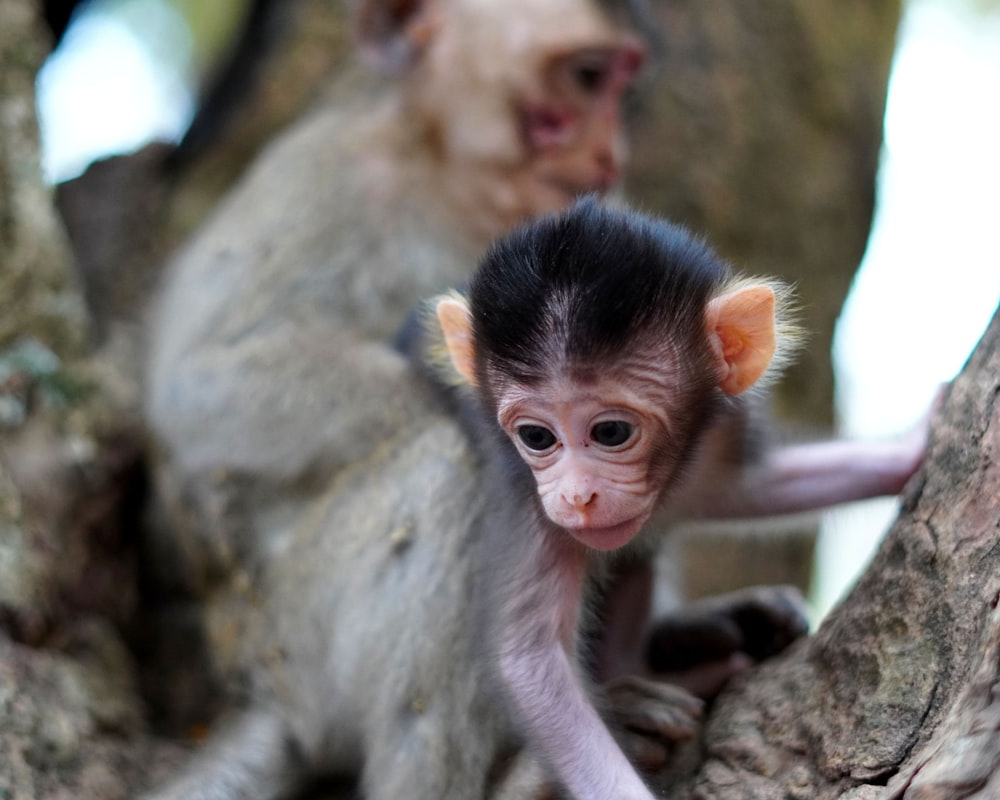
[590, 71]
[591, 77]
[536, 438]
[612, 432]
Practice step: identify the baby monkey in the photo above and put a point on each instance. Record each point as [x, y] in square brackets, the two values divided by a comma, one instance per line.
[614, 352]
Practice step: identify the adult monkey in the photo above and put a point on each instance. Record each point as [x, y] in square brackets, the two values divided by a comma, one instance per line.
[267, 365]
[319, 501]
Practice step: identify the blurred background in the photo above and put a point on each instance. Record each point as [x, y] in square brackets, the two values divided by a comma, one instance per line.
[930, 278]
[126, 73]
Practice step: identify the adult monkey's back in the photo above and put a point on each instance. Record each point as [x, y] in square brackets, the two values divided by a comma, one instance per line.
[268, 368]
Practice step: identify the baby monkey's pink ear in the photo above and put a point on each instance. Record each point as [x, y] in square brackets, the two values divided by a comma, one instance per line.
[455, 320]
[741, 331]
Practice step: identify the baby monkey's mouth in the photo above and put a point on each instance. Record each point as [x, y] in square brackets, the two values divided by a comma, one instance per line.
[608, 537]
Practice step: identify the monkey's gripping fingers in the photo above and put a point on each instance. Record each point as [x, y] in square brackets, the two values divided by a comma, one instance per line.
[648, 717]
[652, 707]
[703, 637]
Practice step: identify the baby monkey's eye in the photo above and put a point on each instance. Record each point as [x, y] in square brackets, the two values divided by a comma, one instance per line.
[536, 438]
[612, 433]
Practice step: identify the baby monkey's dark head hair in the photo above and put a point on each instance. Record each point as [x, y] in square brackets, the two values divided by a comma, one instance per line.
[595, 290]
[582, 287]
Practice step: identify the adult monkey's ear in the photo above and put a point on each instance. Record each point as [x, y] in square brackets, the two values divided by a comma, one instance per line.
[391, 34]
[455, 320]
[741, 331]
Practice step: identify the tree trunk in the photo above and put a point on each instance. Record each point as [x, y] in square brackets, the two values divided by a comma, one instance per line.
[898, 688]
[71, 720]
[763, 131]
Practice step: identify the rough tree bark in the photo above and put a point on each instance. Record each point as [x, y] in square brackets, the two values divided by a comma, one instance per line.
[71, 720]
[896, 696]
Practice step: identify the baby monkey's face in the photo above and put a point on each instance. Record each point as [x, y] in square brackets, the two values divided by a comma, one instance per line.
[591, 448]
